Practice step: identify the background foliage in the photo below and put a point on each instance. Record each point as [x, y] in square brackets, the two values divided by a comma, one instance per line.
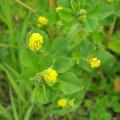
[68, 41]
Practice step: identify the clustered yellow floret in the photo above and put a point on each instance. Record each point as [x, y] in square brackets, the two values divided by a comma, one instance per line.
[50, 75]
[58, 9]
[35, 41]
[110, 1]
[94, 62]
[42, 20]
[63, 102]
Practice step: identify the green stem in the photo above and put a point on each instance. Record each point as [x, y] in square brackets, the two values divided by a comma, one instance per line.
[43, 51]
[7, 46]
[45, 93]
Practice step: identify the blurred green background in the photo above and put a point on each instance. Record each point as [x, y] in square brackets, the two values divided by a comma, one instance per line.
[101, 98]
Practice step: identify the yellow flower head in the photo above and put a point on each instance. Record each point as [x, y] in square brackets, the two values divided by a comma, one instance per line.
[83, 14]
[50, 75]
[63, 102]
[42, 20]
[110, 1]
[58, 9]
[35, 41]
[94, 62]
